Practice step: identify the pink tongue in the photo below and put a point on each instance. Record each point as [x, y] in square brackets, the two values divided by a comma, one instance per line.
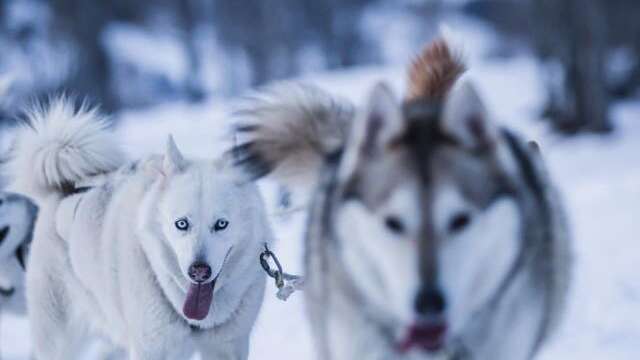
[198, 301]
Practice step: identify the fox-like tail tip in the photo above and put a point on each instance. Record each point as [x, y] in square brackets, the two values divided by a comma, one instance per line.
[435, 70]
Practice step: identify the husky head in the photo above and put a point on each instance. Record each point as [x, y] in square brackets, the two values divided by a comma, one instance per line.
[17, 217]
[415, 177]
[207, 222]
[405, 187]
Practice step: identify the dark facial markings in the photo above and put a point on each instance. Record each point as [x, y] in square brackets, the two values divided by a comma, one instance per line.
[422, 138]
[3, 233]
[373, 129]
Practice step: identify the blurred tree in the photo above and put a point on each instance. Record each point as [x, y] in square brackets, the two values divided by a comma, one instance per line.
[3, 4]
[575, 40]
[266, 31]
[132, 11]
[573, 32]
[188, 11]
[336, 26]
[509, 17]
[623, 32]
[272, 33]
[81, 23]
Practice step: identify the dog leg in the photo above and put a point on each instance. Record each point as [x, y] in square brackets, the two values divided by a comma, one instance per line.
[232, 350]
[55, 336]
[160, 342]
[106, 350]
[150, 352]
[53, 339]
[61, 343]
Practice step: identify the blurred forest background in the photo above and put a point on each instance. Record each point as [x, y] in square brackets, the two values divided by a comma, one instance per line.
[549, 69]
[127, 54]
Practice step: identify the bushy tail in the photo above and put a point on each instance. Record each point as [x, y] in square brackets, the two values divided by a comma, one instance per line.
[59, 146]
[434, 72]
[288, 130]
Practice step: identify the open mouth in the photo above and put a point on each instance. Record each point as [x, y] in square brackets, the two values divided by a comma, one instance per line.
[428, 336]
[3, 233]
[198, 300]
[200, 296]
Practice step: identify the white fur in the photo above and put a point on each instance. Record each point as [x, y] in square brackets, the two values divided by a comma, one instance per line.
[384, 262]
[476, 260]
[59, 145]
[109, 262]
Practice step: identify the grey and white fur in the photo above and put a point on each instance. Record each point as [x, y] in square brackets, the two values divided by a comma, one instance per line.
[17, 217]
[432, 232]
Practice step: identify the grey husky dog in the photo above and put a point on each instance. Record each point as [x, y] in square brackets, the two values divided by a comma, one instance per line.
[17, 217]
[432, 231]
[160, 256]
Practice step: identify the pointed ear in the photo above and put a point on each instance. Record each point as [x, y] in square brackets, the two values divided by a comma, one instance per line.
[381, 124]
[152, 166]
[374, 130]
[173, 160]
[465, 117]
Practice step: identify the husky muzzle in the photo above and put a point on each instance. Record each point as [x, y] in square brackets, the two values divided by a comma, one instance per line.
[429, 330]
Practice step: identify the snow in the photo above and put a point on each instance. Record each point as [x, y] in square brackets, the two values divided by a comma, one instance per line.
[599, 178]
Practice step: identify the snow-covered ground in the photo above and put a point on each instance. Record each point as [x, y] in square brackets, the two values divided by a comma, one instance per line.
[599, 178]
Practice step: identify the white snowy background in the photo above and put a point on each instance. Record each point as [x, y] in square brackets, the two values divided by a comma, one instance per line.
[599, 178]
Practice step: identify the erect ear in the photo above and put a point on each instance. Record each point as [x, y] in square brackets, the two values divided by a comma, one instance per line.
[381, 124]
[465, 117]
[173, 161]
[375, 130]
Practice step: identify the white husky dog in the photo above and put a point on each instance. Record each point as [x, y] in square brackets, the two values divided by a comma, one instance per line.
[158, 256]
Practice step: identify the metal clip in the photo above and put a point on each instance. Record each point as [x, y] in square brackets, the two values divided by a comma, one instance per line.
[287, 284]
[277, 273]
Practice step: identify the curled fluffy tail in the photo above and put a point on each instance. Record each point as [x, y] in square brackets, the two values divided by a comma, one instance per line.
[288, 130]
[60, 146]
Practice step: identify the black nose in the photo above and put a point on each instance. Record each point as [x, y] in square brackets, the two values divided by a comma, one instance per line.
[199, 272]
[430, 301]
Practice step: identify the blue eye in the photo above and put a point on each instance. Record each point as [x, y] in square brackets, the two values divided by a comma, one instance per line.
[182, 224]
[220, 224]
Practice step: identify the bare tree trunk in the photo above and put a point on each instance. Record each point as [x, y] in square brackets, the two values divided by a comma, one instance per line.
[82, 22]
[573, 33]
[586, 70]
[2, 15]
[188, 20]
[337, 23]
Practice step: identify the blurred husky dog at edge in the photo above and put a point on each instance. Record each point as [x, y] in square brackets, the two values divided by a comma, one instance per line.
[17, 217]
[159, 256]
[432, 233]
